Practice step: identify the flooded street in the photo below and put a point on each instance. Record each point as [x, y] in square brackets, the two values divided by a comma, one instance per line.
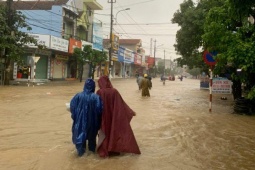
[173, 128]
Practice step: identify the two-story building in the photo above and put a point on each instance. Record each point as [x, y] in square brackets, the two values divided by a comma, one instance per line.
[59, 26]
[129, 59]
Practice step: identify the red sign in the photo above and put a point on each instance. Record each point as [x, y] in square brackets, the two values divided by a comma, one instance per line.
[208, 58]
[73, 43]
[150, 61]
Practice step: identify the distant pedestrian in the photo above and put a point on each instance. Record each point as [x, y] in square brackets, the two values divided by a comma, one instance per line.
[181, 77]
[116, 134]
[163, 78]
[146, 85]
[139, 81]
[86, 109]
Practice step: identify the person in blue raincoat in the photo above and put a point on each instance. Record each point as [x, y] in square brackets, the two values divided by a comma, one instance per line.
[86, 111]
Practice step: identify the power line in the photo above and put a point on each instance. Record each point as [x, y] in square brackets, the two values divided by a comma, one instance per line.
[166, 23]
[44, 28]
[150, 34]
[128, 5]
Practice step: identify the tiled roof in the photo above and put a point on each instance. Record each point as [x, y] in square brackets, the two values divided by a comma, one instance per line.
[126, 41]
[129, 41]
[35, 5]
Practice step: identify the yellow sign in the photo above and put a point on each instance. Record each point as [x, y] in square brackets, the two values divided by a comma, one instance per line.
[115, 42]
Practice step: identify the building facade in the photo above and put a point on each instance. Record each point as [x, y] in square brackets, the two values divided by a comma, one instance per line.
[59, 27]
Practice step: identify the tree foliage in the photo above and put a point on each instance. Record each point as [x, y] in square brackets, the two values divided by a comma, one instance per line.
[90, 56]
[228, 31]
[222, 26]
[194, 71]
[189, 43]
[12, 41]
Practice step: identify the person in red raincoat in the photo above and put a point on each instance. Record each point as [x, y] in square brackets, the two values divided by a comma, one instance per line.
[116, 134]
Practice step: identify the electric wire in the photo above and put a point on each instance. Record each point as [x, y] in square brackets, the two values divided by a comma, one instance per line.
[125, 33]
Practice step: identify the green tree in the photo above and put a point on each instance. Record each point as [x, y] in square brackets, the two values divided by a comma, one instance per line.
[89, 56]
[228, 32]
[189, 44]
[12, 41]
[194, 71]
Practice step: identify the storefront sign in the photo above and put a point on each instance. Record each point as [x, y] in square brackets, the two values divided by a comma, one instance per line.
[59, 44]
[221, 85]
[61, 57]
[84, 43]
[73, 43]
[144, 64]
[150, 61]
[137, 59]
[43, 40]
[204, 82]
[115, 55]
[121, 53]
[128, 56]
[43, 52]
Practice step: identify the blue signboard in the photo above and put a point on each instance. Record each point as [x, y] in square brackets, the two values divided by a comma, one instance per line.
[121, 54]
[97, 36]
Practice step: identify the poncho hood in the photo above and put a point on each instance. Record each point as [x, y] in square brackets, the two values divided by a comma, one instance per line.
[89, 86]
[104, 82]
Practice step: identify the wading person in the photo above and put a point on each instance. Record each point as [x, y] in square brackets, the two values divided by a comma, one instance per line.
[139, 81]
[116, 134]
[146, 84]
[86, 111]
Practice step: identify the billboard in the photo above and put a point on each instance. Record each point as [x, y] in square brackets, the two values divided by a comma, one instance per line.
[97, 36]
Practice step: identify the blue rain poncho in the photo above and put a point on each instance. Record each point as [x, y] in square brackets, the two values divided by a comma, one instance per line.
[86, 109]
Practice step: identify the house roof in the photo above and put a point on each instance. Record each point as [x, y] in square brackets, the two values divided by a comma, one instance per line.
[126, 41]
[130, 41]
[35, 5]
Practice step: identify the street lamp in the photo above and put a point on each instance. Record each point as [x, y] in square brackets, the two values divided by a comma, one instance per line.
[118, 13]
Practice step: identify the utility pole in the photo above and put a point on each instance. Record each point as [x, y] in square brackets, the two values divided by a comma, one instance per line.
[170, 66]
[154, 65]
[151, 47]
[164, 62]
[111, 40]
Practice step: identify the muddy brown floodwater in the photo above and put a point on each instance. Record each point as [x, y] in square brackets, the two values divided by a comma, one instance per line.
[173, 128]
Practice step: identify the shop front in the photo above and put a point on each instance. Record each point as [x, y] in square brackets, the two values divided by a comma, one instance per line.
[72, 63]
[126, 58]
[59, 67]
[31, 69]
[137, 68]
[59, 60]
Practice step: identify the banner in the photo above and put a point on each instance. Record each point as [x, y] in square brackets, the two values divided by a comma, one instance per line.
[97, 36]
[73, 43]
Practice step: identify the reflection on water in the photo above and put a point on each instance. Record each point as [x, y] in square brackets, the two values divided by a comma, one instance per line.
[173, 128]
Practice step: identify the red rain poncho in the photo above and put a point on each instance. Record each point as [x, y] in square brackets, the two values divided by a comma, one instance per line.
[116, 134]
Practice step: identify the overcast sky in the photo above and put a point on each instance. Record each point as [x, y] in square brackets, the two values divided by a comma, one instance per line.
[156, 13]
